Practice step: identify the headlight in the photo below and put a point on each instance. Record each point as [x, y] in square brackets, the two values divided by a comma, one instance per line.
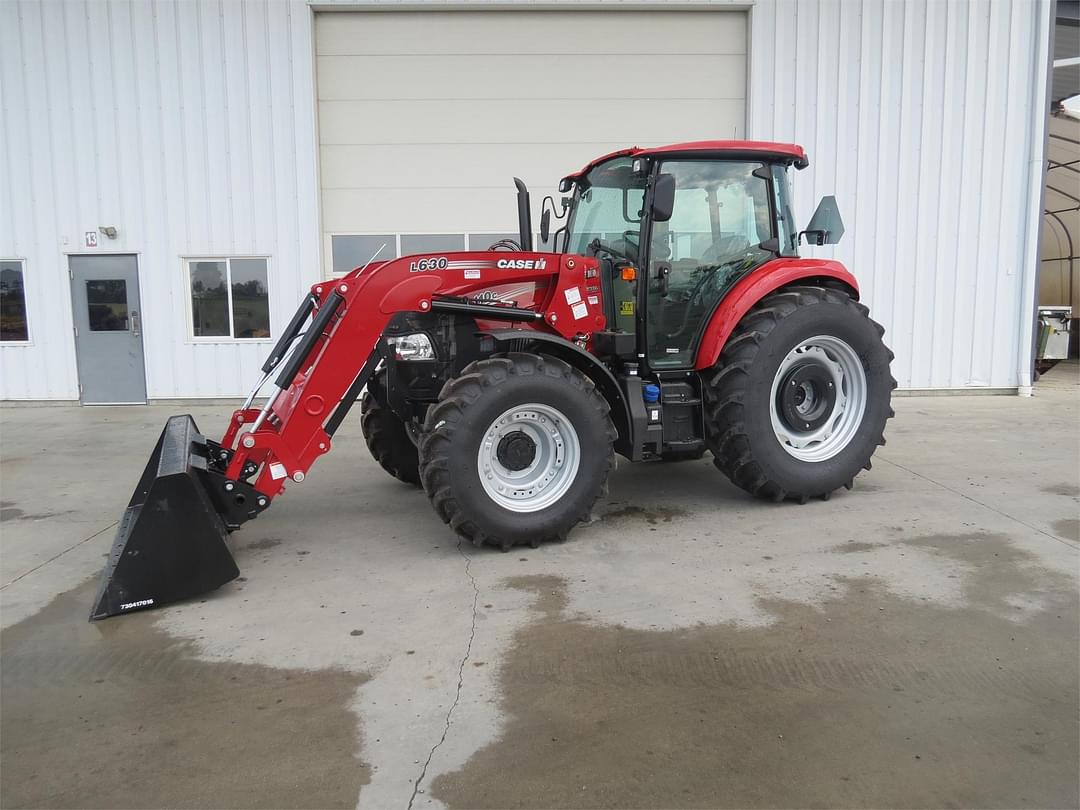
[412, 347]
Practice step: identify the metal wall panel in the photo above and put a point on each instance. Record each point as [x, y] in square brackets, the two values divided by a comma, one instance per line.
[924, 118]
[188, 126]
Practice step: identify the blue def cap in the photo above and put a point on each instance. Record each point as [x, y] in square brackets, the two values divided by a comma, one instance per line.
[651, 393]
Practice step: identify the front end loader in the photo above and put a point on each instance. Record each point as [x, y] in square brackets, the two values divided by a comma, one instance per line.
[674, 318]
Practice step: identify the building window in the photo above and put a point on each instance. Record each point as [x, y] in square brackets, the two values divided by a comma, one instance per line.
[413, 243]
[229, 298]
[482, 241]
[106, 304]
[350, 251]
[13, 328]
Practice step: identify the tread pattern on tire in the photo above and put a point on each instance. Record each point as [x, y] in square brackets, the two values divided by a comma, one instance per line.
[455, 399]
[725, 389]
[386, 439]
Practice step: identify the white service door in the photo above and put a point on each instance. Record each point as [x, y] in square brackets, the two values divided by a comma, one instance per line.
[424, 117]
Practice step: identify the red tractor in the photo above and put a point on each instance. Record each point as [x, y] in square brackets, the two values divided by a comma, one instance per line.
[674, 316]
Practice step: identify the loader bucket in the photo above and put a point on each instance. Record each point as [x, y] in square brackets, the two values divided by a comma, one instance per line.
[170, 544]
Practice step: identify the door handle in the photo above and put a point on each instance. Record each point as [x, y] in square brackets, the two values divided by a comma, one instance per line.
[134, 323]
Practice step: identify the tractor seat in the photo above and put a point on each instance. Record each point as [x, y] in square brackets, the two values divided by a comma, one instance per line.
[724, 248]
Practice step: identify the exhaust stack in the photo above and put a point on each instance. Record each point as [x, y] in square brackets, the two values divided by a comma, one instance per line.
[525, 235]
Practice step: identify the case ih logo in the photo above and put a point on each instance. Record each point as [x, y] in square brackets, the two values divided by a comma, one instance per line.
[521, 264]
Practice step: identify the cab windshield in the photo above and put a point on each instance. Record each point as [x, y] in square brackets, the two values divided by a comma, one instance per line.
[607, 207]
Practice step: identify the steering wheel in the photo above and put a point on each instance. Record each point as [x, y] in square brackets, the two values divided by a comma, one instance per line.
[618, 248]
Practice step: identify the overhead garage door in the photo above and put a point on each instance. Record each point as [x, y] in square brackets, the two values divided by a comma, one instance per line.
[424, 117]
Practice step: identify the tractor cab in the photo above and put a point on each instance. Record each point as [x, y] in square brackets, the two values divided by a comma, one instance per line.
[675, 229]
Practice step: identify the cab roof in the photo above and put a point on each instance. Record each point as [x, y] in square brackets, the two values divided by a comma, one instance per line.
[788, 153]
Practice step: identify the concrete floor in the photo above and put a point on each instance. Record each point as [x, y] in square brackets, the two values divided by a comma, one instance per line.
[912, 643]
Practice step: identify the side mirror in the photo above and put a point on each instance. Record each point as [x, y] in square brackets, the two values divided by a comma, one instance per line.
[545, 225]
[825, 227]
[663, 197]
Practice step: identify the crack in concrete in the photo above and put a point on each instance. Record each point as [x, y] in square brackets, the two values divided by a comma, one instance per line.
[461, 677]
[977, 502]
[39, 566]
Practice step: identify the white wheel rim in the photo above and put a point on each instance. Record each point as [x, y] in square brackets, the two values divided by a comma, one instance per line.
[845, 372]
[551, 471]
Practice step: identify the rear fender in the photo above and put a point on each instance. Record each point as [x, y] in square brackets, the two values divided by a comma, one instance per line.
[588, 365]
[767, 279]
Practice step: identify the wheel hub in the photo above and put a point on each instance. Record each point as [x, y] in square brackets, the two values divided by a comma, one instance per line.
[528, 457]
[819, 396]
[516, 451]
[806, 397]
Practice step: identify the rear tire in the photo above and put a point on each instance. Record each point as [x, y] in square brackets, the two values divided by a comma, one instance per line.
[385, 434]
[517, 450]
[823, 346]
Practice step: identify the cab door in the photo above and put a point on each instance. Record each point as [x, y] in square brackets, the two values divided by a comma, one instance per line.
[722, 218]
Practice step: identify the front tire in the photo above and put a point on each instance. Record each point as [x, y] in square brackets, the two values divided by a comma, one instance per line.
[798, 401]
[385, 434]
[517, 450]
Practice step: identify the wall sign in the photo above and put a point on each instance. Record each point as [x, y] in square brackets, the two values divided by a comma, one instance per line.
[91, 238]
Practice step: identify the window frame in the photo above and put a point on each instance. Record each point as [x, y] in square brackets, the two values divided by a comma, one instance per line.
[335, 274]
[26, 303]
[396, 245]
[464, 242]
[189, 315]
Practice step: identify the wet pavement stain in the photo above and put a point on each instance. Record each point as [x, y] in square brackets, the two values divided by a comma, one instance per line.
[651, 515]
[14, 513]
[1069, 528]
[119, 714]
[868, 700]
[856, 547]
[261, 545]
[1068, 490]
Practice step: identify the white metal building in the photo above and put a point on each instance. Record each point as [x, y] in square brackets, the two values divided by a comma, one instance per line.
[213, 158]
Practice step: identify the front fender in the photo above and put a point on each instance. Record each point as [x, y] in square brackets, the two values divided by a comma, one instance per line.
[767, 279]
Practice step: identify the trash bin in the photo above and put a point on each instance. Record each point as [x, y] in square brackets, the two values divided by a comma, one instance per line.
[1054, 323]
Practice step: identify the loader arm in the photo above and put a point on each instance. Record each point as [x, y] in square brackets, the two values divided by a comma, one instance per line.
[170, 542]
[330, 364]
